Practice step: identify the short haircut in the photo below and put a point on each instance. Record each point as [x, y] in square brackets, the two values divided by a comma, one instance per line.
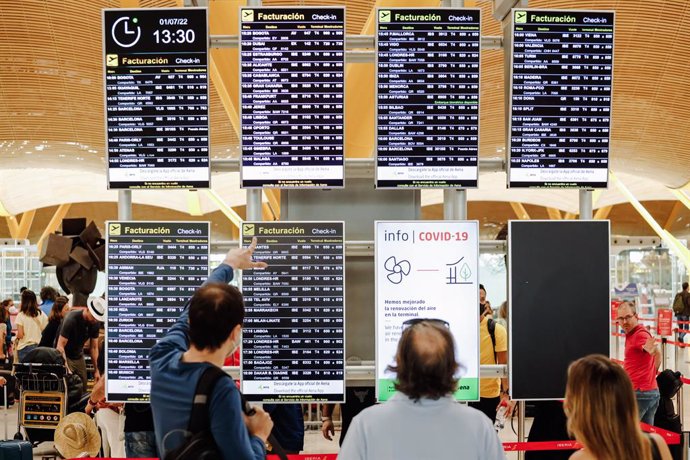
[214, 311]
[685, 285]
[425, 362]
[481, 286]
[630, 305]
[48, 293]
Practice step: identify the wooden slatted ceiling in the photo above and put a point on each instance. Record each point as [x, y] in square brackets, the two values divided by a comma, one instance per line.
[51, 77]
[651, 107]
[51, 88]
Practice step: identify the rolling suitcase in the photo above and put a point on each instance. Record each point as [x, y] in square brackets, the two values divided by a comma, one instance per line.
[14, 450]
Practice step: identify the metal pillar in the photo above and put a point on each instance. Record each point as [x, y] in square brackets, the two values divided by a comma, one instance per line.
[453, 3]
[521, 427]
[455, 204]
[254, 204]
[124, 205]
[663, 352]
[585, 204]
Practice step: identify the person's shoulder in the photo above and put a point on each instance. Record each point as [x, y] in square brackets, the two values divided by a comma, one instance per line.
[581, 454]
[661, 444]
[500, 328]
[71, 317]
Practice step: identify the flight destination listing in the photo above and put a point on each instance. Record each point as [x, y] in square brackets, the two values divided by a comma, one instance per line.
[292, 92]
[153, 269]
[294, 328]
[427, 97]
[560, 116]
[156, 92]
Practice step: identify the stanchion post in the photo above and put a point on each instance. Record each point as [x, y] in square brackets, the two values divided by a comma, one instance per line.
[684, 446]
[677, 351]
[663, 353]
[521, 427]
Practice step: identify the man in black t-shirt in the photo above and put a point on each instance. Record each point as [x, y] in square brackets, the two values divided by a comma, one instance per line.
[78, 327]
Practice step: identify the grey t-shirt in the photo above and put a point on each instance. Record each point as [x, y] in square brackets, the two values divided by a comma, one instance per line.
[77, 331]
[402, 429]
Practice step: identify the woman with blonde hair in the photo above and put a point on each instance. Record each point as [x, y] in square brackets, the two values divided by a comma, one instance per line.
[602, 414]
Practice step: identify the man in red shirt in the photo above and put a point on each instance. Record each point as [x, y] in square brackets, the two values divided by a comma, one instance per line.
[642, 359]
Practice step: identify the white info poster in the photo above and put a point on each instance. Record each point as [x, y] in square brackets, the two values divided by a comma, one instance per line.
[428, 270]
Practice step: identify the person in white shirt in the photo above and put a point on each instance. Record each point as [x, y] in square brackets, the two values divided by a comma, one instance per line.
[422, 420]
[30, 324]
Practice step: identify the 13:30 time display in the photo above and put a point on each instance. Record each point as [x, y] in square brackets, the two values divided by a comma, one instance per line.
[166, 36]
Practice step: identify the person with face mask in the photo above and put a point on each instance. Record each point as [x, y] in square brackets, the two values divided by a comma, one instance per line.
[208, 330]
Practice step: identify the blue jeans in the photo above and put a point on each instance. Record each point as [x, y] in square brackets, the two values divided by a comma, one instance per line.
[682, 327]
[647, 404]
[141, 444]
[21, 354]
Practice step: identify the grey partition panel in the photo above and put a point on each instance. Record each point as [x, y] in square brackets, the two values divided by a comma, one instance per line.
[359, 205]
[558, 301]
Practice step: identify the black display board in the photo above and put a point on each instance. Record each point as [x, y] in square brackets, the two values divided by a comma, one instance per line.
[293, 339]
[156, 97]
[153, 268]
[427, 97]
[560, 98]
[292, 64]
[559, 301]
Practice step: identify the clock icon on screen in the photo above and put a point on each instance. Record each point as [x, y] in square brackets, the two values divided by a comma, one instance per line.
[126, 32]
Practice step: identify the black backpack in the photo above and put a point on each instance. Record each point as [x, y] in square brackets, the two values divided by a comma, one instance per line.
[199, 442]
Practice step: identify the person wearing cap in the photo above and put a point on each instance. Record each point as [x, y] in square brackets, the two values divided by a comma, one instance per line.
[79, 326]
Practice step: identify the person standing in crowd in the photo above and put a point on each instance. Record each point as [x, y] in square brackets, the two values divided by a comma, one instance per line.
[57, 313]
[48, 296]
[597, 390]
[356, 400]
[140, 437]
[288, 426]
[30, 324]
[6, 306]
[208, 330]
[483, 302]
[108, 416]
[422, 420]
[493, 349]
[503, 315]
[681, 303]
[77, 327]
[642, 359]
[5, 330]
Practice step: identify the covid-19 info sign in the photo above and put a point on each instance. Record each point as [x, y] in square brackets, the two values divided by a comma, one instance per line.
[428, 270]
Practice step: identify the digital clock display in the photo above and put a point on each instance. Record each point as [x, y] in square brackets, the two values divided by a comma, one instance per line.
[174, 36]
[156, 97]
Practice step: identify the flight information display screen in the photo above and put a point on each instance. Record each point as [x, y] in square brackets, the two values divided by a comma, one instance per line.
[153, 268]
[292, 93]
[156, 97]
[293, 338]
[560, 98]
[427, 97]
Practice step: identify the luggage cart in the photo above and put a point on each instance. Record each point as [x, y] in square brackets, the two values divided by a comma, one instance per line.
[42, 399]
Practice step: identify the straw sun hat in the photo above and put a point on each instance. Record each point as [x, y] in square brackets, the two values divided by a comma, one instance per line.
[75, 434]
